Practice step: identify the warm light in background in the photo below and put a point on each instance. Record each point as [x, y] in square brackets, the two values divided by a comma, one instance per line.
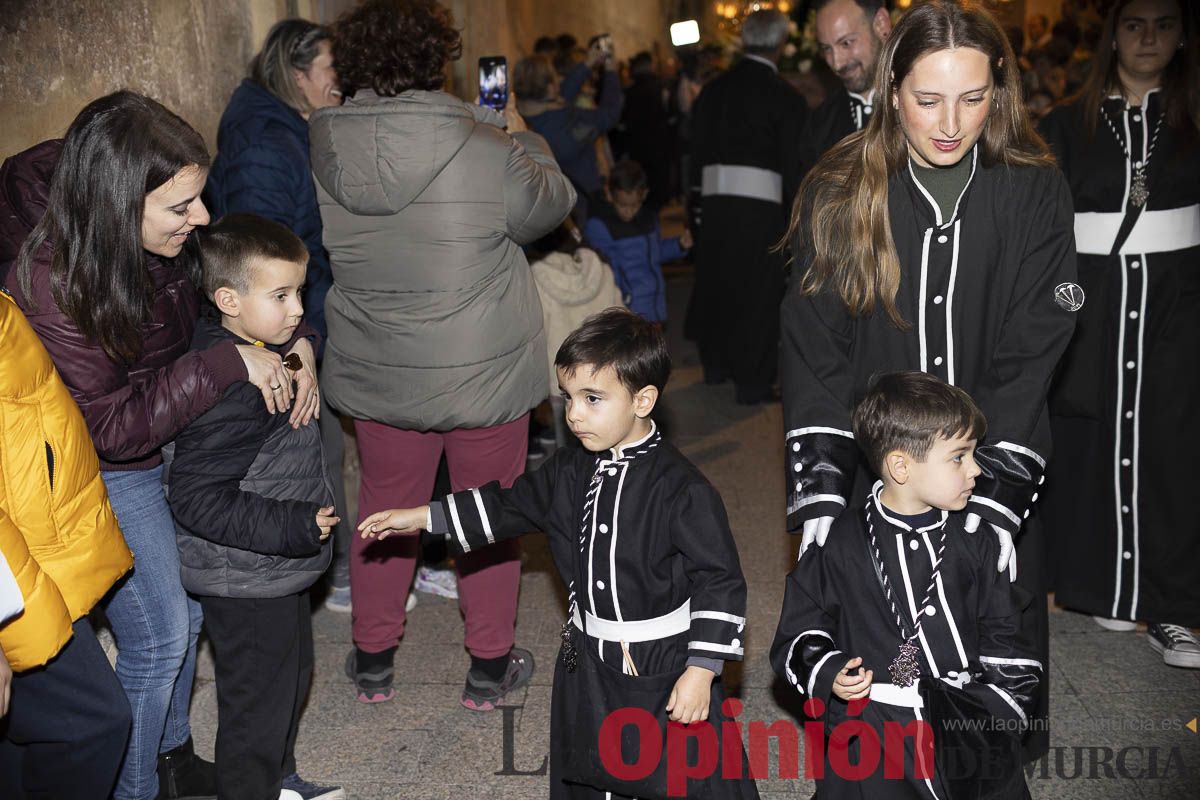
[735, 9]
[684, 33]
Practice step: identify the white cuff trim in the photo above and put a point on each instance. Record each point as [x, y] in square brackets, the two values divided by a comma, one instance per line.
[1016, 448]
[812, 679]
[731, 649]
[1016, 662]
[458, 529]
[819, 498]
[722, 616]
[817, 429]
[483, 517]
[990, 503]
[1008, 698]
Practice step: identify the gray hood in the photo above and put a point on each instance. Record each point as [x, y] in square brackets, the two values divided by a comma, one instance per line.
[434, 322]
[362, 153]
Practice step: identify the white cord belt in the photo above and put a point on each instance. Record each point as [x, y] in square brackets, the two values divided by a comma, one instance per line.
[908, 696]
[740, 181]
[642, 630]
[893, 695]
[1163, 231]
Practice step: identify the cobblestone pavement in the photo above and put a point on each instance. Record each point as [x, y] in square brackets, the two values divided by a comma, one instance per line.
[1118, 715]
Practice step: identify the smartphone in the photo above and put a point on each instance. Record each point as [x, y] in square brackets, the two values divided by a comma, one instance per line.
[493, 82]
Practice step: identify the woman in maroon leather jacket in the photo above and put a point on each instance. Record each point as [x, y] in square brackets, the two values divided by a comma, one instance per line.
[102, 280]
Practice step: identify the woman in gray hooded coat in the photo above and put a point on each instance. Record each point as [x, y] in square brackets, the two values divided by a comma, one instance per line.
[435, 329]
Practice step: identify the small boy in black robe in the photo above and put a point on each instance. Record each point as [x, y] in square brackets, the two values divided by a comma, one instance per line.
[902, 618]
[656, 593]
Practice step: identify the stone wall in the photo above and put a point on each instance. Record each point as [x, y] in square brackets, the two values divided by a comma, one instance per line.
[57, 55]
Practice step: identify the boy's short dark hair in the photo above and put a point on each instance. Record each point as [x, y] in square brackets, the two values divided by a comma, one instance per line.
[627, 176]
[617, 338]
[909, 411]
[228, 247]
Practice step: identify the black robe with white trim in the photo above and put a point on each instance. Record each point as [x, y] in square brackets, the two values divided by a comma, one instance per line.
[835, 609]
[745, 168]
[655, 536]
[978, 291]
[1124, 406]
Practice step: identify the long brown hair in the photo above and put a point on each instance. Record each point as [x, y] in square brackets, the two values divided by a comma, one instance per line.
[1179, 92]
[840, 224]
[120, 148]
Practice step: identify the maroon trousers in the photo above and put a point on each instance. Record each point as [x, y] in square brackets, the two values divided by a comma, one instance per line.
[399, 468]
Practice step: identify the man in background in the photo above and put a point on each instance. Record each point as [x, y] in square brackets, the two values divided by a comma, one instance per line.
[745, 169]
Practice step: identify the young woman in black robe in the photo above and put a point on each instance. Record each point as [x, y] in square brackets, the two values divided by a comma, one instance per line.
[938, 238]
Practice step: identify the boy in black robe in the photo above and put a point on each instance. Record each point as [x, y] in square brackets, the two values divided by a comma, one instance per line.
[656, 593]
[904, 611]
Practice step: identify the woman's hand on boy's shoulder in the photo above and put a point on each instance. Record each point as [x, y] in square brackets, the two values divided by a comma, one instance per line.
[382, 524]
[308, 400]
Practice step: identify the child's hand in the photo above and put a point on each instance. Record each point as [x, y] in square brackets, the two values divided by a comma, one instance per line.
[689, 698]
[326, 519]
[397, 520]
[685, 241]
[853, 687]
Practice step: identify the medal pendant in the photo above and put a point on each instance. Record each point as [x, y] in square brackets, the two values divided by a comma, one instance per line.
[569, 654]
[905, 669]
[1138, 193]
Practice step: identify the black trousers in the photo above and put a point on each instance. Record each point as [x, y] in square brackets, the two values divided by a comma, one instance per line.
[263, 654]
[66, 727]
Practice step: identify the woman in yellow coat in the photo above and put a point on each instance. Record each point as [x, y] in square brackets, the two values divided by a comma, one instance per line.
[63, 730]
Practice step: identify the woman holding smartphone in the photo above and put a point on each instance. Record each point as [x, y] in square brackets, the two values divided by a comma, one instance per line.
[435, 333]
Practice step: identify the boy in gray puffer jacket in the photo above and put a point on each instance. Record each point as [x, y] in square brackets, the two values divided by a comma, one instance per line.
[251, 496]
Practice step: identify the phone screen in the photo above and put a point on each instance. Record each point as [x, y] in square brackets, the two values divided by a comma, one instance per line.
[493, 82]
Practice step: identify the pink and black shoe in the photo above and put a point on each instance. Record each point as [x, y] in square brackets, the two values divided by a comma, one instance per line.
[372, 674]
[483, 694]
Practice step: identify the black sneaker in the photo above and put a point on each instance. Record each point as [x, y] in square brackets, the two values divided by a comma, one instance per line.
[183, 775]
[481, 694]
[372, 675]
[296, 788]
[1179, 648]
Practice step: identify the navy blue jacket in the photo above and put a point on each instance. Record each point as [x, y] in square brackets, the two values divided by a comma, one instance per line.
[572, 132]
[636, 251]
[262, 167]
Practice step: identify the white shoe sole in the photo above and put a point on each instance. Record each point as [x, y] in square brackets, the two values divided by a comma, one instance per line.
[291, 794]
[1175, 658]
[1118, 625]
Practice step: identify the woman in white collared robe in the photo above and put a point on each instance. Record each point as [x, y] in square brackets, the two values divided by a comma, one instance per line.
[1124, 404]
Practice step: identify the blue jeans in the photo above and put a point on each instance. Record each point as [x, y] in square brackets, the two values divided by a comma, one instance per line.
[155, 624]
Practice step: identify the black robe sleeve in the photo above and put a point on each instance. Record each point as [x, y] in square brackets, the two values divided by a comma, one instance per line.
[805, 652]
[1010, 670]
[475, 518]
[700, 530]
[1012, 393]
[818, 392]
